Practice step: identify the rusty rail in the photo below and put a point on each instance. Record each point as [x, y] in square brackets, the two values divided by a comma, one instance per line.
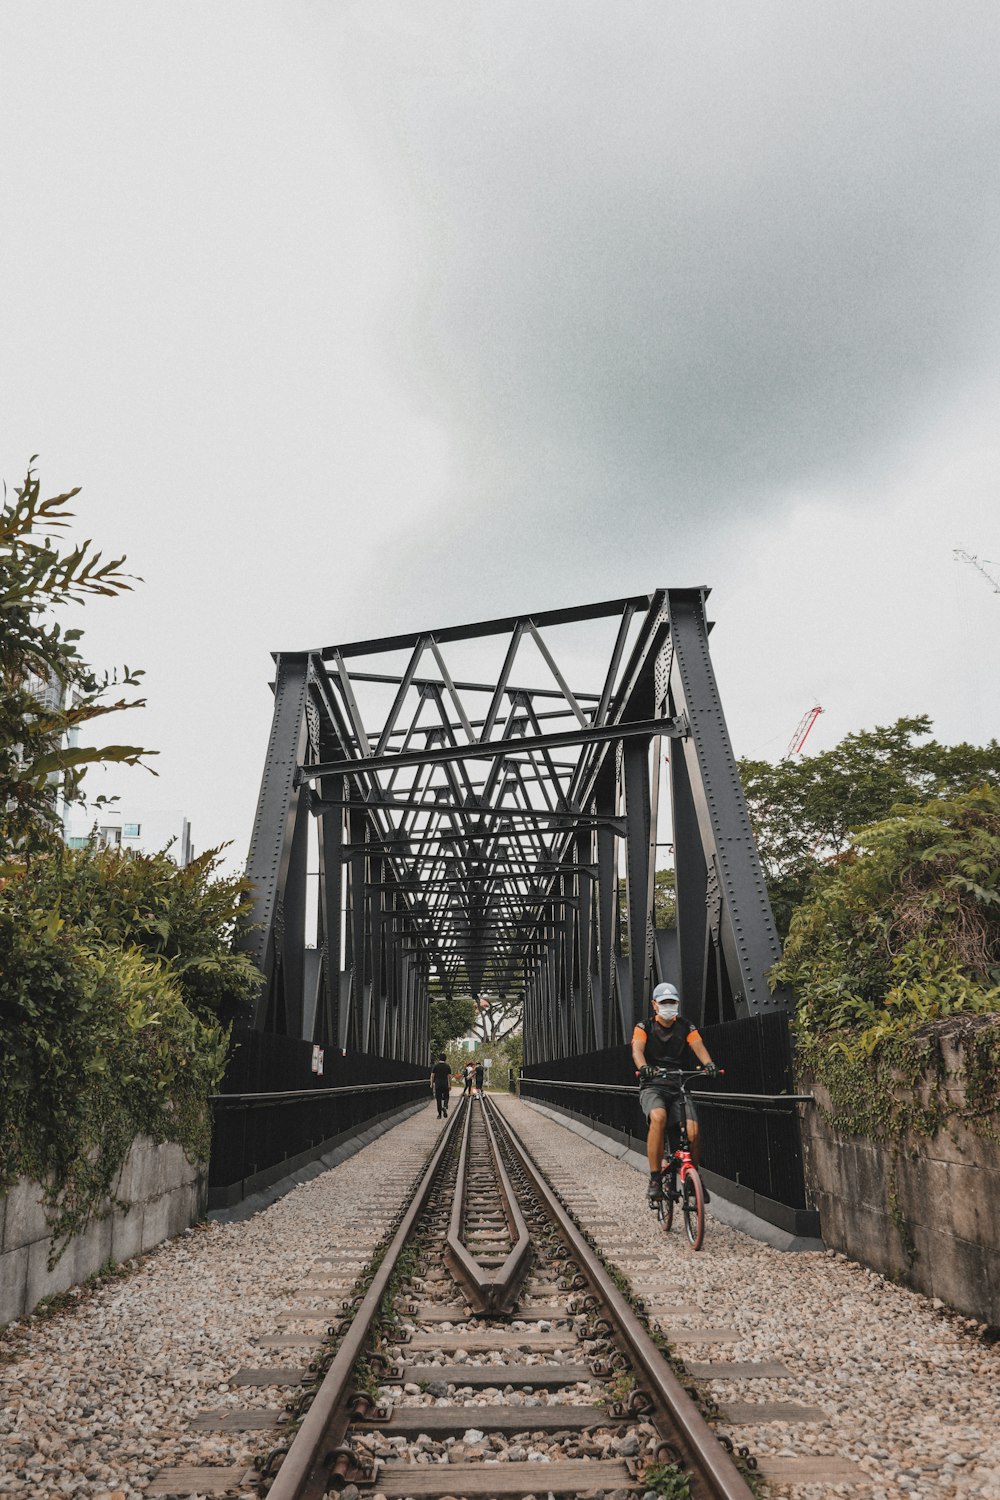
[491, 1291]
[689, 1432]
[316, 1460]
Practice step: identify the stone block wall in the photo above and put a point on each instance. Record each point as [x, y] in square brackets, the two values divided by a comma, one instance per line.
[163, 1192]
[941, 1234]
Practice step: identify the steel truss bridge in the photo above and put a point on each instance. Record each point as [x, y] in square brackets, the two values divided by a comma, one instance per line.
[429, 826]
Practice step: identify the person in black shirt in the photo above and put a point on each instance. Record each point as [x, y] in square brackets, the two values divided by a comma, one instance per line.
[665, 1040]
[479, 1078]
[441, 1084]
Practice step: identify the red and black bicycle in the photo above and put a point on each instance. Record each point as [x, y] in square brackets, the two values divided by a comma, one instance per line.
[681, 1181]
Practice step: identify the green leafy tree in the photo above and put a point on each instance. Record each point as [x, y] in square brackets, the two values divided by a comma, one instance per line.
[665, 898]
[806, 811]
[905, 928]
[664, 904]
[118, 978]
[37, 580]
[495, 1018]
[450, 1017]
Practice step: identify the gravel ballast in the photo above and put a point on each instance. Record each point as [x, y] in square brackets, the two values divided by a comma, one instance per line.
[99, 1398]
[908, 1391]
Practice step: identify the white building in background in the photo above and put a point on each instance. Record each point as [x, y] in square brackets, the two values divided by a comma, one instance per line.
[145, 830]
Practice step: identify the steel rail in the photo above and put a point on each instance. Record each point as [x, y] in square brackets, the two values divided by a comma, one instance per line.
[491, 1292]
[305, 1470]
[688, 1429]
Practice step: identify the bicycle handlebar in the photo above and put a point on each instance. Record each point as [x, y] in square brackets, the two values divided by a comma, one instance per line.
[686, 1074]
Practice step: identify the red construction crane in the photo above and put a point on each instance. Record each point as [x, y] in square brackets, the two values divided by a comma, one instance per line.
[802, 731]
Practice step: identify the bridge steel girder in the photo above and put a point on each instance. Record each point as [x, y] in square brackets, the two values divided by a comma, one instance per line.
[726, 955]
[439, 847]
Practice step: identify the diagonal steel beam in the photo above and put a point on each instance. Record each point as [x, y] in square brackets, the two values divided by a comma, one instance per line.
[371, 765]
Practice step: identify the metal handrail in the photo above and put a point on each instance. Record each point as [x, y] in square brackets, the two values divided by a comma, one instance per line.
[350, 1088]
[708, 1096]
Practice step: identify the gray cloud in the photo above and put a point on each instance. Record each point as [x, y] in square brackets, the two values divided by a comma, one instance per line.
[683, 259]
[372, 315]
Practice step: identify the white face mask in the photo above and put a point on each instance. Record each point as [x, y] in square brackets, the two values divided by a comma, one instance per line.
[667, 1011]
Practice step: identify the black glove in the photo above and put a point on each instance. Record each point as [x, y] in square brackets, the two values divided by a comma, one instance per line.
[646, 1074]
[711, 1070]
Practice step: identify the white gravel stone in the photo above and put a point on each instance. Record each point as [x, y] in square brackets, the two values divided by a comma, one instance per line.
[97, 1399]
[907, 1392]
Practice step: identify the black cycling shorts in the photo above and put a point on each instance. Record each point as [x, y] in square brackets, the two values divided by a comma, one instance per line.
[661, 1096]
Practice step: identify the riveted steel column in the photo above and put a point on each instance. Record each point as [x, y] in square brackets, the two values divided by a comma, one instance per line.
[361, 991]
[582, 938]
[641, 826]
[585, 942]
[294, 934]
[380, 999]
[274, 826]
[748, 938]
[331, 880]
[690, 871]
[607, 893]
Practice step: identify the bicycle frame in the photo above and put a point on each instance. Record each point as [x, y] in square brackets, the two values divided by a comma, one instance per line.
[681, 1180]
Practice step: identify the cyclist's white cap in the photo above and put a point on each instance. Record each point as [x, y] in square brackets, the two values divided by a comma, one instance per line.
[666, 1001]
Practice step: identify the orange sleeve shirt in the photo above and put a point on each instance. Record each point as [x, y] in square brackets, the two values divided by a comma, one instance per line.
[661, 1048]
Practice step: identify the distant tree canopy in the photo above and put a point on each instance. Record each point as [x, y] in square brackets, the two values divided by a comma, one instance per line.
[805, 811]
[450, 1018]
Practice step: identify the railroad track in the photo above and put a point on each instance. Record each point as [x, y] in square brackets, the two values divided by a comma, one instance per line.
[485, 1299]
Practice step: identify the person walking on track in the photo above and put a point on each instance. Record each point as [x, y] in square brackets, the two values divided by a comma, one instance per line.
[441, 1085]
[479, 1077]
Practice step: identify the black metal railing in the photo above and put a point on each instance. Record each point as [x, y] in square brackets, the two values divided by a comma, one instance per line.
[751, 1148]
[261, 1133]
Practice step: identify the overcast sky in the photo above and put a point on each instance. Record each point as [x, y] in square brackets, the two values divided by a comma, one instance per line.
[359, 317]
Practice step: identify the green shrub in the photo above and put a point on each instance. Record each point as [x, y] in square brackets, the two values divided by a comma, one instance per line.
[905, 929]
[99, 1048]
[186, 918]
[895, 957]
[118, 983]
[117, 975]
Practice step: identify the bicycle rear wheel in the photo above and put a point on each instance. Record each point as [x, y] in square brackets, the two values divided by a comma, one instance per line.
[693, 1208]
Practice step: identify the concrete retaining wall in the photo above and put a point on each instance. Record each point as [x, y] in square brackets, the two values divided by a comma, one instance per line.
[164, 1194]
[944, 1236]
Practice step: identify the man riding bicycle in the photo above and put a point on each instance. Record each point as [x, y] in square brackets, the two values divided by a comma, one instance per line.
[663, 1041]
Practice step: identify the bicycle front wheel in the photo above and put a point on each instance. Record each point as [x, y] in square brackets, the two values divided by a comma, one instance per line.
[693, 1208]
[667, 1201]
